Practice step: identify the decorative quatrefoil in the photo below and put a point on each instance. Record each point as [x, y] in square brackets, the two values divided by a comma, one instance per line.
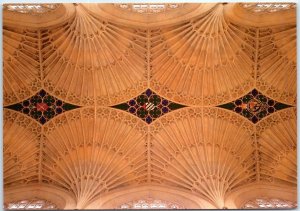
[148, 106]
[254, 106]
[42, 107]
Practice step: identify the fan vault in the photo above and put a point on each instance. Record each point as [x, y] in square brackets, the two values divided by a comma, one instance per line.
[200, 102]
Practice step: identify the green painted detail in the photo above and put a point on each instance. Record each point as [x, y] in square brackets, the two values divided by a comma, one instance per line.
[229, 106]
[123, 106]
[67, 106]
[279, 106]
[174, 106]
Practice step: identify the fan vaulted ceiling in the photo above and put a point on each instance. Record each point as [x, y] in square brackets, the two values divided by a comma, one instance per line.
[219, 113]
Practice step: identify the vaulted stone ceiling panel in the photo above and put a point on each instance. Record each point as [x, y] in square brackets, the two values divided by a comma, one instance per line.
[21, 63]
[277, 141]
[205, 61]
[89, 61]
[276, 71]
[89, 152]
[21, 149]
[202, 63]
[207, 151]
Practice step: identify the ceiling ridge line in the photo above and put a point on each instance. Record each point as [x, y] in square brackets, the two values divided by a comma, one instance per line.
[41, 69]
[41, 140]
[149, 142]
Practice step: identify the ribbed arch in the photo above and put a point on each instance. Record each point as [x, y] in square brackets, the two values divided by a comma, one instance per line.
[206, 60]
[206, 162]
[89, 152]
[21, 149]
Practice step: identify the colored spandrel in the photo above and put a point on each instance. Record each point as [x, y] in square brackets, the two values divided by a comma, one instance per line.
[42, 107]
[254, 106]
[148, 106]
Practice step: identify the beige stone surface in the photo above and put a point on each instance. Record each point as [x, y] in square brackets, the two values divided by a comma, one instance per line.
[199, 55]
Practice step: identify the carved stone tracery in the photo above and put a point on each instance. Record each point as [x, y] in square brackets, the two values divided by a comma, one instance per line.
[32, 9]
[268, 7]
[35, 204]
[266, 203]
[95, 63]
